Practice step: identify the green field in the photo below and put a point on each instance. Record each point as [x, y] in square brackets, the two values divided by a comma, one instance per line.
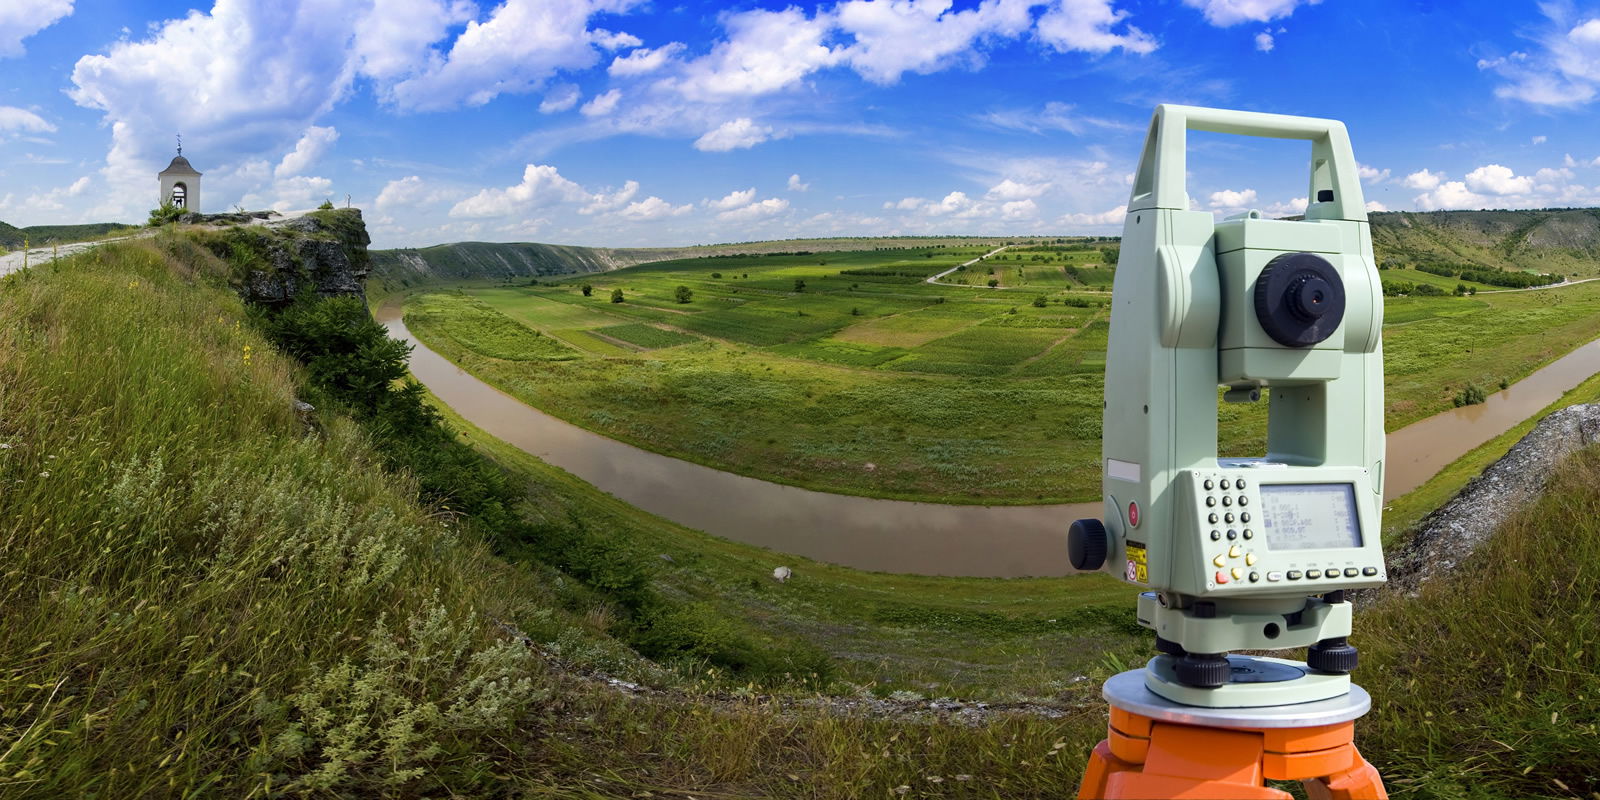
[951, 393]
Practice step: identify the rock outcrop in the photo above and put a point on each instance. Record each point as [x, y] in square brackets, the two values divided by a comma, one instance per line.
[1451, 533]
[321, 252]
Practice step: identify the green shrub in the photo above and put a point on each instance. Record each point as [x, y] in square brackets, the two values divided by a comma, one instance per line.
[165, 215]
[683, 294]
[616, 296]
[1471, 395]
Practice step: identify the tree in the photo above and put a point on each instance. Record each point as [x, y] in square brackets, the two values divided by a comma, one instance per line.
[799, 285]
[587, 290]
[683, 294]
[616, 295]
[716, 275]
[993, 282]
[1040, 301]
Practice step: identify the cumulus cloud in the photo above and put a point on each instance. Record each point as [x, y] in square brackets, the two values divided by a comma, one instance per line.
[1496, 179]
[1111, 217]
[405, 193]
[1450, 195]
[601, 202]
[307, 151]
[795, 185]
[542, 186]
[53, 199]
[13, 120]
[20, 19]
[1371, 174]
[517, 49]
[1264, 41]
[397, 36]
[922, 36]
[1009, 189]
[653, 208]
[1228, 199]
[610, 40]
[1423, 179]
[558, 98]
[734, 199]
[1540, 139]
[1373, 205]
[756, 210]
[644, 61]
[1090, 26]
[1226, 13]
[601, 105]
[765, 51]
[733, 135]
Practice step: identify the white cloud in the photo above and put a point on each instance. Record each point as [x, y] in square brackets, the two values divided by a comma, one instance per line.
[405, 193]
[613, 41]
[1111, 217]
[652, 208]
[1423, 179]
[1568, 161]
[1289, 208]
[1499, 180]
[1373, 205]
[601, 202]
[1019, 209]
[765, 51]
[559, 97]
[1371, 174]
[1540, 139]
[1054, 116]
[541, 186]
[1225, 13]
[1009, 189]
[307, 151]
[396, 36]
[52, 200]
[733, 135]
[520, 46]
[1450, 195]
[20, 19]
[1565, 72]
[734, 199]
[644, 61]
[795, 185]
[295, 193]
[1228, 199]
[757, 210]
[1087, 25]
[20, 119]
[923, 36]
[601, 105]
[1264, 41]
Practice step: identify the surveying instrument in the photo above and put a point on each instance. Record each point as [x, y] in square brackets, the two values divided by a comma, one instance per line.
[1240, 553]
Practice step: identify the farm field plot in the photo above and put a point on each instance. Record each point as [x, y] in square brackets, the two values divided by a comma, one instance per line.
[913, 390]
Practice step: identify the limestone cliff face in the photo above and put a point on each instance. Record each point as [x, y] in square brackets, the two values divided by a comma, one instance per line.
[322, 252]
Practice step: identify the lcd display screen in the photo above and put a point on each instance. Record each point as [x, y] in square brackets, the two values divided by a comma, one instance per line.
[1310, 516]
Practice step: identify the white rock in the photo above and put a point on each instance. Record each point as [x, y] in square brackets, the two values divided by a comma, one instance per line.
[781, 574]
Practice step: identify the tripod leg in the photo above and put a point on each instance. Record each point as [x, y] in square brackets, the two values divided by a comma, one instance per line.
[1360, 782]
[1102, 765]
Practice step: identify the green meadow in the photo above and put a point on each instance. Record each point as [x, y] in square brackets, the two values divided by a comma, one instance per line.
[848, 372]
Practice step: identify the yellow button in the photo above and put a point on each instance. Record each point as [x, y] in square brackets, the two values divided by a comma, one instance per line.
[1249, 559]
[1218, 561]
[1234, 551]
[1237, 573]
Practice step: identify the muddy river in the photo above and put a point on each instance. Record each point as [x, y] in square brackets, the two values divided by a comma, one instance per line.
[895, 535]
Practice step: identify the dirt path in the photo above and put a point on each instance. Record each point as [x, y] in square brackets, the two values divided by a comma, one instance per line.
[11, 262]
[935, 279]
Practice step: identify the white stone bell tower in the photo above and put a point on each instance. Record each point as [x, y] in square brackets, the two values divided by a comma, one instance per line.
[180, 183]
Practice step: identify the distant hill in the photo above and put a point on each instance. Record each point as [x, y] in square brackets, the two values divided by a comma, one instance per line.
[399, 269]
[12, 237]
[1564, 241]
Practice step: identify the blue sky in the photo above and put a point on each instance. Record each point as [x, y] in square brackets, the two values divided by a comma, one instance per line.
[615, 122]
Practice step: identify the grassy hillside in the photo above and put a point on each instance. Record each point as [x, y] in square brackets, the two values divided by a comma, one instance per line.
[12, 238]
[1562, 241]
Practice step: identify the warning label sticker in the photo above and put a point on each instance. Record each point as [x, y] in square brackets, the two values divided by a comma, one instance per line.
[1138, 563]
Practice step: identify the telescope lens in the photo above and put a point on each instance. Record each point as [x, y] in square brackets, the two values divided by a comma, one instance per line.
[1299, 299]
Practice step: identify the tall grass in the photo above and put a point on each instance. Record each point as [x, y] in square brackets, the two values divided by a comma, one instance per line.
[1488, 683]
[204, 594]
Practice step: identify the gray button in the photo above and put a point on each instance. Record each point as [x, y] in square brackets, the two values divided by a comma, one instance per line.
[1369, 571]
[1313, 574]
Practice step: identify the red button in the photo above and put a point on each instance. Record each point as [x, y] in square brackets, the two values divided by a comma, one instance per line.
[1133, 515]
[1222, 577]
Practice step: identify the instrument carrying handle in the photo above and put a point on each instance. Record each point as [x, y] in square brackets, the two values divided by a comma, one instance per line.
[1335, 184]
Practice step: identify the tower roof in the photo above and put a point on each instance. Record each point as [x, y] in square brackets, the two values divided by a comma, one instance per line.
[180, 166]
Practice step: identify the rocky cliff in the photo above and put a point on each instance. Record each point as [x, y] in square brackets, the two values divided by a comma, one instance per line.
[322, 252]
